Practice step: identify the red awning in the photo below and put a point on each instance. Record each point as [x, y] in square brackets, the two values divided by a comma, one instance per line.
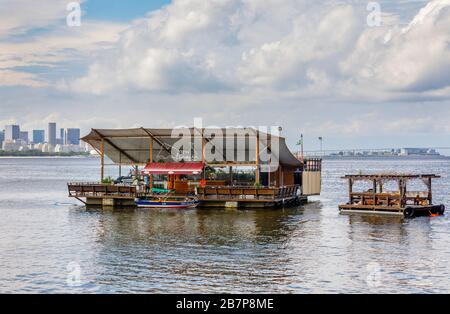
[174, 168]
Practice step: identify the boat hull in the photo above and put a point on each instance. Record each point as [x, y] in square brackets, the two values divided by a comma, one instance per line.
[167, 204]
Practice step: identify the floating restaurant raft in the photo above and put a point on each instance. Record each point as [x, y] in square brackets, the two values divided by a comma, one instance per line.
[289, 181]
[400, 203]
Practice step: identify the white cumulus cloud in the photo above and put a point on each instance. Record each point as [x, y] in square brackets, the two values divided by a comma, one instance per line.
[293, 46]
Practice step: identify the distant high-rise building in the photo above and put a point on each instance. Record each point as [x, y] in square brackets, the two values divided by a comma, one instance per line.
[62, 137]
[38, 136]
[2, 138]
[12, 132]
[51, 136]
[73, 137]
[24, 136]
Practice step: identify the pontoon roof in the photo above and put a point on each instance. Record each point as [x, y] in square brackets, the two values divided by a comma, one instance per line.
[390, 176]
[132, 146]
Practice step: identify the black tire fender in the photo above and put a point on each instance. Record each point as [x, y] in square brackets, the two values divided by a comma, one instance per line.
[409, 212]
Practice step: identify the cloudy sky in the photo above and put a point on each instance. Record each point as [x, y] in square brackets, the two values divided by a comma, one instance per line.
[331, 68]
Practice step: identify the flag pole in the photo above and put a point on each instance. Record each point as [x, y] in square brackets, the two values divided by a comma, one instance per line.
[303, 157]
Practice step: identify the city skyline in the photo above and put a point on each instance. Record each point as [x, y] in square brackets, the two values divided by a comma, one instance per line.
[244, 64]
[75, 133]
[13, 138]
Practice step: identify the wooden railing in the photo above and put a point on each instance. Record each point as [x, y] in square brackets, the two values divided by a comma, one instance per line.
[380, 199]
[388, 199]
[82, 189]
[313, 164]
[248, 193]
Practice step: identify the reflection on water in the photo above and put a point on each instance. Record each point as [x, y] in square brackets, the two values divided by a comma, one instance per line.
[51, 246]
[198, 249]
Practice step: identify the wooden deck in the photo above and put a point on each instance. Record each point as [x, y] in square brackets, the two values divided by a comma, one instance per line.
[97, 194]
[100, 190]
[345, 209]
[410, 211]
[250, 196]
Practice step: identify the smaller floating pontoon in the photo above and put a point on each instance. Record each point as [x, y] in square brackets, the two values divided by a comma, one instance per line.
[401, 202]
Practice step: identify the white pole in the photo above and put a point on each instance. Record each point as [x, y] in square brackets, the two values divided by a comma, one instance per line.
[321, 146]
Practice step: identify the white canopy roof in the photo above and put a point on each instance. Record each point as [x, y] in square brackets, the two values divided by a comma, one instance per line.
[132, 146]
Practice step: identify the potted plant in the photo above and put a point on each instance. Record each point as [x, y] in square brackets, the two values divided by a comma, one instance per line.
[107, 181]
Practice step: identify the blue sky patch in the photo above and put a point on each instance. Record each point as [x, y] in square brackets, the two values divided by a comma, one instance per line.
[120, 10]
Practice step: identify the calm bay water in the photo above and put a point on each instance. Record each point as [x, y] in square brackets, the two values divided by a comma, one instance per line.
[50, 244]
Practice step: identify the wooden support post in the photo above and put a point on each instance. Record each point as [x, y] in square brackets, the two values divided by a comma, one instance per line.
[374, 192]
[350, 191]
[257, 174]
[81, 200]
[203, 150]
[203, 156]
[430, 192]
[280, 176]
[102, 151]
[120, 164]
[402, 192]
[269, 165]
[151, 161]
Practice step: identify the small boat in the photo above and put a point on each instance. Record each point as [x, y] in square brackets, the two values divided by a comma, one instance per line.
[400, 202]
[167, 202]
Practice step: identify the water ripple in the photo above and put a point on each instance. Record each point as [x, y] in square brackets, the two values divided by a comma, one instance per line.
[50, 245]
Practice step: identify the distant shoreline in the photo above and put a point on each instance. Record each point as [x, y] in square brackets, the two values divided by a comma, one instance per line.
[441, 157]
[45, 157]
[37, 154]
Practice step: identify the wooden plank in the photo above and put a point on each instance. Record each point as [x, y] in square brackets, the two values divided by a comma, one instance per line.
[151, 161]
[370, 207]
[102, 170]
[243, 200]
[106, 196]
[350, 190]
[365, 212]
[81, 200]
[257, 174]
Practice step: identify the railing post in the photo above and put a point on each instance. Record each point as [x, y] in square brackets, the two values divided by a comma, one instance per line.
[151, 160]
[102, 171]
[120, 164]
[430, 192]
[257, 175]
[350, 190]
[374, 192]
